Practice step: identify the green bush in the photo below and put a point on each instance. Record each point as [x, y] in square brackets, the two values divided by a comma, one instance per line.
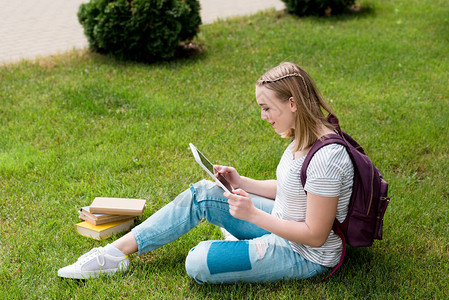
[142, 30]
[317, 7]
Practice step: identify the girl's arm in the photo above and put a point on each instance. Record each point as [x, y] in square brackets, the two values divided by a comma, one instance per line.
[313, 232]
[264, 188]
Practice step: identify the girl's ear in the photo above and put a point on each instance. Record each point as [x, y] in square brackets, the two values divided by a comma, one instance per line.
[293, 107]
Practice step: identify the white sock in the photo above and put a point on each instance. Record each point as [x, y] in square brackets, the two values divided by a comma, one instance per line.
[111, 250]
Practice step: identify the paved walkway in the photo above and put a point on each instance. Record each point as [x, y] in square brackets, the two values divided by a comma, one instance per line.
[31, 28]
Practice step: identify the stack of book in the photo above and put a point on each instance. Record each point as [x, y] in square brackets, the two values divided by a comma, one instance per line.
[108, 216]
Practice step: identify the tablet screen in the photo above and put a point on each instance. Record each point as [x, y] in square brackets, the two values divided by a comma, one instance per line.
[206, 162]
[210, 167]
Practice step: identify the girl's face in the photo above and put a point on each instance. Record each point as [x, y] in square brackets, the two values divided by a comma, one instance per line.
[281, 115]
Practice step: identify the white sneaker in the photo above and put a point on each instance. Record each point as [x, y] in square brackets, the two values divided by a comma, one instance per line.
[93, 264]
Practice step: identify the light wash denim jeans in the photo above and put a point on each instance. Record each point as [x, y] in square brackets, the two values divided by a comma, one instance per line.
[258, 256]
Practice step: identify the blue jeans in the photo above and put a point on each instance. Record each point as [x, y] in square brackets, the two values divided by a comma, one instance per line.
[258, 256]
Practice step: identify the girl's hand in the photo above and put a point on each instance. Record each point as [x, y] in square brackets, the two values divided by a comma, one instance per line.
[240, 205]
[229, 173]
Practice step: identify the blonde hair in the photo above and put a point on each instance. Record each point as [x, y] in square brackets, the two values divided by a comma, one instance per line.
[289, 80]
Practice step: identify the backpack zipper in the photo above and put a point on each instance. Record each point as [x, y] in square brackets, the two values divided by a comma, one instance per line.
[372, 191]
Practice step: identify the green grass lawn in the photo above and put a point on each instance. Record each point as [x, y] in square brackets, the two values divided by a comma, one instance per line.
[80, 125]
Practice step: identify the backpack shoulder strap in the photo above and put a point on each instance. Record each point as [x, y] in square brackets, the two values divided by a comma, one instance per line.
[329, 139]
[336, 227]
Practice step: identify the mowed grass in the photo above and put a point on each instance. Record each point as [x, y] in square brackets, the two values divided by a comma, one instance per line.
[80, 125]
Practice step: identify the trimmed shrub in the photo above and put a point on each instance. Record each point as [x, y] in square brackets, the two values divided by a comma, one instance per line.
[142, 30]
[317, 7]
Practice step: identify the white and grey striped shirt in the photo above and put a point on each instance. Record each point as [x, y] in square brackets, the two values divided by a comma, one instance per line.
[330, 173]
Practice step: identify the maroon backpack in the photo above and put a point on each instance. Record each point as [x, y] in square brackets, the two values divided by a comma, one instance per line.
[369, 200]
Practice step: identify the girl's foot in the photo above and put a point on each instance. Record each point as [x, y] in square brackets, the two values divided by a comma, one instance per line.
[96, 262]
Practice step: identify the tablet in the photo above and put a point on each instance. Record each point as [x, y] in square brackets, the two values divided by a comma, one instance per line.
[209, 168]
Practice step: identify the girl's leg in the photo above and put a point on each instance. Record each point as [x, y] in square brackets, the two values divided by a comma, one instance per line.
[265, 259]
[127, 244]
[204, 200]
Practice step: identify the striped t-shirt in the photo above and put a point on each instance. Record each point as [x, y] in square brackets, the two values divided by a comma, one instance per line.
[330, 173]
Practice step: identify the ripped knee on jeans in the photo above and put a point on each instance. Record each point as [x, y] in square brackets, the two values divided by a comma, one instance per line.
[261, 249]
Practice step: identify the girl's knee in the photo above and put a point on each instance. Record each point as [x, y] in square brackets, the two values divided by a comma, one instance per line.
[216, 261]
[205, 185]
[206, 190]
[189, 196]
[196, 262]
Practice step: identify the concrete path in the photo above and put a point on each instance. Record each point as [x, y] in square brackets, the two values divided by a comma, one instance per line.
[31, 28]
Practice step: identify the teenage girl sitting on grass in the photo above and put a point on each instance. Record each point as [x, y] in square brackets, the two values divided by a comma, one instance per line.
[282, 232]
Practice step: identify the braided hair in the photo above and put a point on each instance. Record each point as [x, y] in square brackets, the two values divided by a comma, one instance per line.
[288, 80]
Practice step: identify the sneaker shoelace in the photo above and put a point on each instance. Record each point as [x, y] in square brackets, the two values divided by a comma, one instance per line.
[95, 252]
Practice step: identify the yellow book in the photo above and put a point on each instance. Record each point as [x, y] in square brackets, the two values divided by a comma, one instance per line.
[103, 231]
